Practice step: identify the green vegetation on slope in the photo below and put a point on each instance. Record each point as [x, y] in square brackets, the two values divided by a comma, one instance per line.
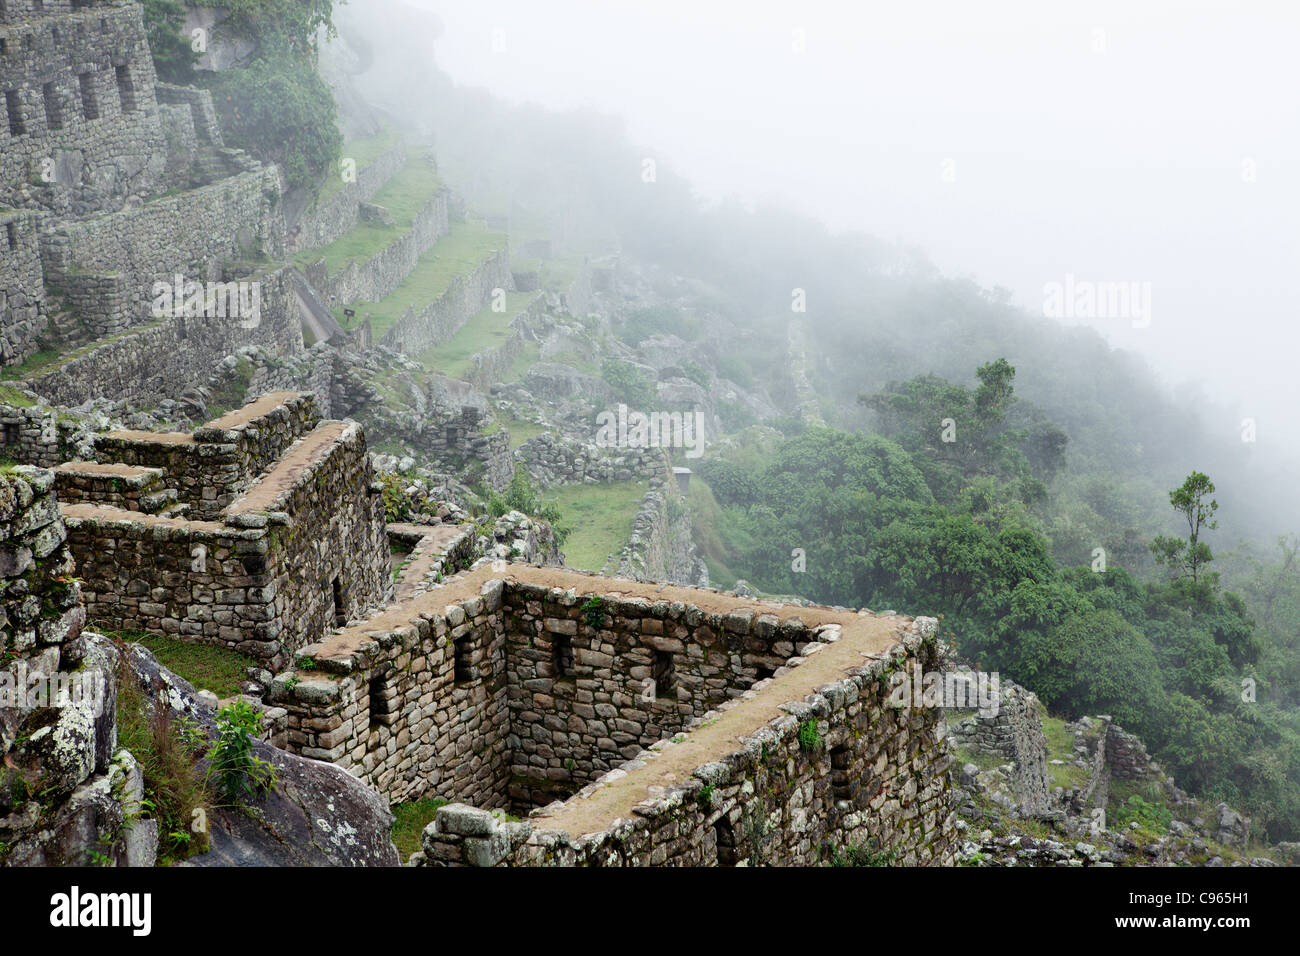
[466, 246]
[488, 329]
[206, 666]
[599, 517]
[403, 196]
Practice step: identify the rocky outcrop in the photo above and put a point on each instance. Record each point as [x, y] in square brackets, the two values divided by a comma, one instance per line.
[317, 815]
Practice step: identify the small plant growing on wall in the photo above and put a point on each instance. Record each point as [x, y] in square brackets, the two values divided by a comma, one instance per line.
[594, 610]
[809, 738]
[861, 854]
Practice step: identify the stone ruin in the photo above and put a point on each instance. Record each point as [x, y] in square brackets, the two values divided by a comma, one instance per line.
[638, 724]
[643, 723]
[260, 531]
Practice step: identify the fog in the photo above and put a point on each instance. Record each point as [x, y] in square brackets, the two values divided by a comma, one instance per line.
[1015, 142]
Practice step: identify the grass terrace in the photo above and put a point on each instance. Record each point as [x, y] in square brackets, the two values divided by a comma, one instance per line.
[486, 330]
[403, 196]
[363, 152]
[601, 517]
[520, 430]
[460, 252]
[206, 666]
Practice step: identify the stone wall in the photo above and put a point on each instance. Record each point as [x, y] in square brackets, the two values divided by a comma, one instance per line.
[377, 277]
[36, 436]
[337, 215]
[162, 359]
[661, 546]
[212, 467]
[1015, 732]
[564, 459]
[402, 716]
[418, 331]
[509, 693]
[490, 366]
[203, 114]
[840, 771]
[65, 789]
[576, 300]
[22, 288]
[192, 234]
[299, 552]
[79, 124]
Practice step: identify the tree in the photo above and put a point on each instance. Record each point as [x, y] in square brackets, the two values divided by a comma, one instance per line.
[1190, 555]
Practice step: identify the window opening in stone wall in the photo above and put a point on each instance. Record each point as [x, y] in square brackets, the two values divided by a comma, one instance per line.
[11, 433]
[461, 670]
[53, 115]
[381, 702]
[841, 782]
[15, 110]
[562, 655]
[11, 234]
[725, 837]
[664, 674]
[4, 44]
[340, 606]
[125, 88]
[764, 672]
[89, 108]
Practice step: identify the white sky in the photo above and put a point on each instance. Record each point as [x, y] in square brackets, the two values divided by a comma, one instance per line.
[1104, 139]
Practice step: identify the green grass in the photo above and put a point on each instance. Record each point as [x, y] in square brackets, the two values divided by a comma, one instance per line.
[520, 431]
[207, 667]
[580, 362]
[410, 821]
[35, 361]
[1060, 746]
[715, 534]
[528, 356]
[460, 252]
[363, 152]
[11, 396]
[403, 196]
[486, 330]
[600, 517]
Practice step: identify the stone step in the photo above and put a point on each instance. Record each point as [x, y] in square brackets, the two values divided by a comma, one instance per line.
[129, 487]
[157, 502]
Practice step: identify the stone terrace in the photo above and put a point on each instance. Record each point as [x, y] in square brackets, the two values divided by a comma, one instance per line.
[521, 688]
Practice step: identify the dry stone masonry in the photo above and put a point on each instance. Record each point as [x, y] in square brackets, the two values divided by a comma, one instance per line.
[509, 691]
[286, 542]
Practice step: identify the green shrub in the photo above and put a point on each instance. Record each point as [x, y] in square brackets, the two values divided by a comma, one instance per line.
[522, 495]
[280, 109]
[629, 383]
[239, 772]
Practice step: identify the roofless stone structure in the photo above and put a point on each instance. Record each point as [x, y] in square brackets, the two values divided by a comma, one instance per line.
[654, 724]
